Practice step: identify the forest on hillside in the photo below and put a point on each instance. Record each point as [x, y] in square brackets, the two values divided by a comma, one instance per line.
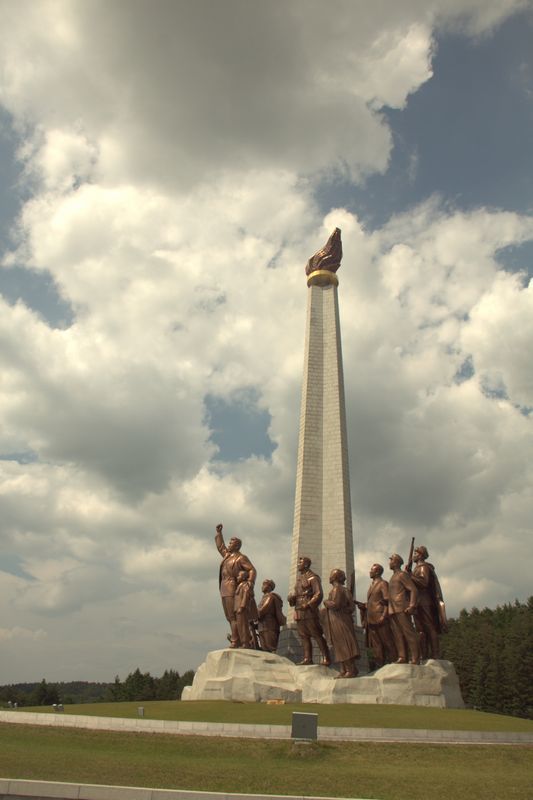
[136, 686]
[492, 651]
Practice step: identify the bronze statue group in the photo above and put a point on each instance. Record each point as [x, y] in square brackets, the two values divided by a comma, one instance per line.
[402, 618]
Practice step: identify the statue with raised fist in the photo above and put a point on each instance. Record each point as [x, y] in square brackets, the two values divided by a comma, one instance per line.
[233, 562]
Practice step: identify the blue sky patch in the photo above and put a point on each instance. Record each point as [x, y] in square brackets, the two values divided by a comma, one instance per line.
[464, 135]
[12, 564]
[239, 428]
[38, 291]
[23, 457]
[465, 371]
[517, 258]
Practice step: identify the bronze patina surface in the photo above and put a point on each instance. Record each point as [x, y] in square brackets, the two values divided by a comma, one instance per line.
[271, 617]
[339, 611]
[375, 618]
[329, 257]
[403, 596]
[306, 598]
[430, 614]
[233, 562]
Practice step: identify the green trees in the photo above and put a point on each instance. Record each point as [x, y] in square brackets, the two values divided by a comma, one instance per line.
[45, 694]
[137, 686]
[492, 651]
[170, 685]
[141, 686]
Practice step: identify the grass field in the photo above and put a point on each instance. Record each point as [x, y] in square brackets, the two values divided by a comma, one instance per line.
[377, 771]
[341, 715]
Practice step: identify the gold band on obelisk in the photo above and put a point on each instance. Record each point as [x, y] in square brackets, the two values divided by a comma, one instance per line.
[322, 277]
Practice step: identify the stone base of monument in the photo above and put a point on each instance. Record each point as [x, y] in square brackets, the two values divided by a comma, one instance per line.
[254, 676]
[289, 646]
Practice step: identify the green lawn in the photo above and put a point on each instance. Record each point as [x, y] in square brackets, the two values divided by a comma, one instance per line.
[342, 715]
[377, 771]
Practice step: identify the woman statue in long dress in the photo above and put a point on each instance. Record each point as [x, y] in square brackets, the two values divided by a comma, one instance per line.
[339, 608]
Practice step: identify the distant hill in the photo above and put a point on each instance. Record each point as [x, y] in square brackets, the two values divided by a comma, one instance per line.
[137, 686]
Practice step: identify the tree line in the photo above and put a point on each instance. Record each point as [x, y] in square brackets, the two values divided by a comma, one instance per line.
[492, 651]
[141, 686]
[136, 686]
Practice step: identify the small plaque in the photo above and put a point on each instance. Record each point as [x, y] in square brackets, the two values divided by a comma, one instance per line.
[304, 726]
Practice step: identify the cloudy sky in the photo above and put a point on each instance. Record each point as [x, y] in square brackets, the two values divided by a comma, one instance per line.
[166, 170]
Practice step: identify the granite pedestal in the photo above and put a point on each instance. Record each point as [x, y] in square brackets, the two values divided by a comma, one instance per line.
[255, 676]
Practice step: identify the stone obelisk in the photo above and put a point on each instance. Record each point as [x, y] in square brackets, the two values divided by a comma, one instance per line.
[322, 511]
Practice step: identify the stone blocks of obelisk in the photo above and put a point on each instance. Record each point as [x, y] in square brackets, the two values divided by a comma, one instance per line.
[322, 513]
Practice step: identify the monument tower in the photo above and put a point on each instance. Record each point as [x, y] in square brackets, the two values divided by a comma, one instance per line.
[322, 532]
[322, 510]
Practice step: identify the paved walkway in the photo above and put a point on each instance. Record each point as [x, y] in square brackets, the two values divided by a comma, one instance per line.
[41, 790]
[237, 730]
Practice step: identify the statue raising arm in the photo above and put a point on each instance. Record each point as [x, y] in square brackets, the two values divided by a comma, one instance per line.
[233, 548]
[219, 541]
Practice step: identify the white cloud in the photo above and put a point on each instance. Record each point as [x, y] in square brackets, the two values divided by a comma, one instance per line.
[63, 159]
[397, 63]
[477, 17]
[10, 634]
[501, 338]
[175, 96]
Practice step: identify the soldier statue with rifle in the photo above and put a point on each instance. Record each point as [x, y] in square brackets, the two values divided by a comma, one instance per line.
[430, 613]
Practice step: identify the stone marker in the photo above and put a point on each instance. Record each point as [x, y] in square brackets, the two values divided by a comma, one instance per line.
[304, 726]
